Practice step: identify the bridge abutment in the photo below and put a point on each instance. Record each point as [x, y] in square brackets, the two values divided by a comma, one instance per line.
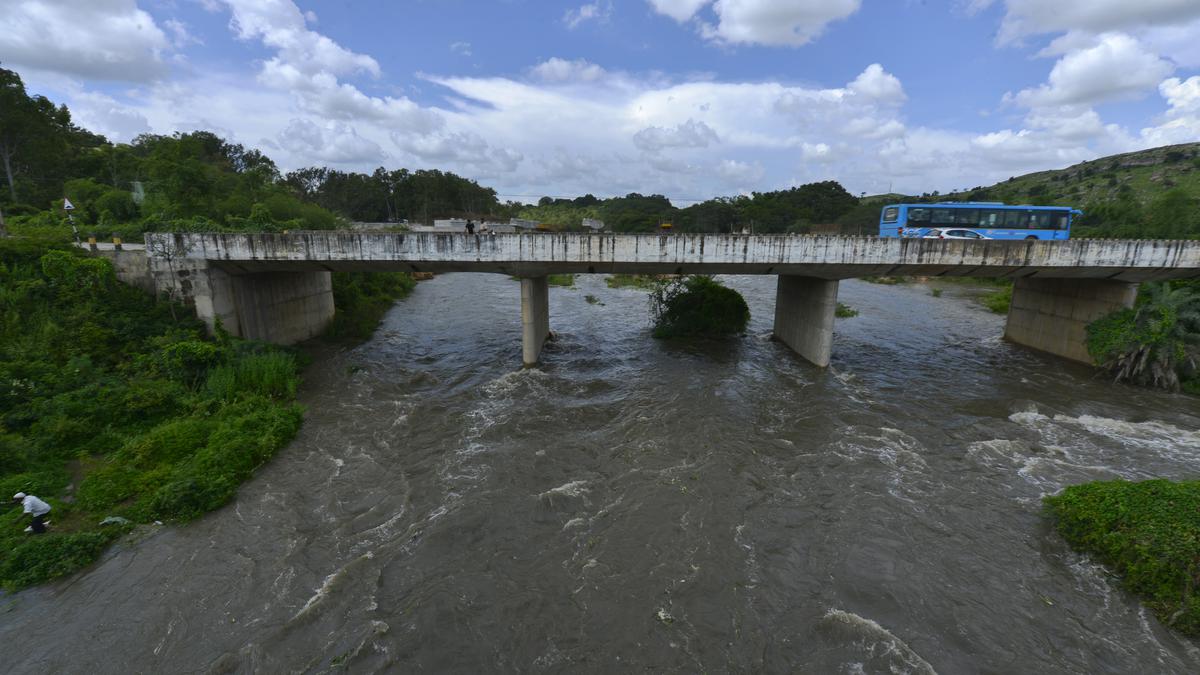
[1051, 315]
[535, 317]
[278, 307]
[804, 313]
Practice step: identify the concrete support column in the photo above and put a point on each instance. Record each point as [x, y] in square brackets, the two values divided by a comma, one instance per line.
[1051, 315]
[804, 312]
[535, 317]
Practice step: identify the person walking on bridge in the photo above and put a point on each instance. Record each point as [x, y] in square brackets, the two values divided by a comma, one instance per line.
[36, 508]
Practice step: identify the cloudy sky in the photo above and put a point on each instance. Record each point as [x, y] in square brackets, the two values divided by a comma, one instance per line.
[687, 98]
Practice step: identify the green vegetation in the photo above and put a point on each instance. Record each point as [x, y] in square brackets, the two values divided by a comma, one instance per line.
[935, 292]
[646, 282]
[697, 306]
[565, 280]
[1148, 532]
[999, 301]
[845, 311]
[361, 299]
[110, 407]
[193, 182]
[1157, 343]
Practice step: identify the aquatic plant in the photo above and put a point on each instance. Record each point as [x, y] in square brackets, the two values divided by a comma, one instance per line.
[845, 311]
[1148, 532]
[697, 305]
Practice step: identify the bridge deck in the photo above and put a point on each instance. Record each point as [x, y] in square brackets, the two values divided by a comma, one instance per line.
[827, 257]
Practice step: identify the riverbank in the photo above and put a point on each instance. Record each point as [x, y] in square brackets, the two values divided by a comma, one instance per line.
[119, 410]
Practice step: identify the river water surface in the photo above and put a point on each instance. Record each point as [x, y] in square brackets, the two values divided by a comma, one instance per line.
[635, 505]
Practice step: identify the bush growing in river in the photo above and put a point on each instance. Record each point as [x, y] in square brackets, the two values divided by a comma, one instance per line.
[697, 305]
[999, 301]
[1148, 532]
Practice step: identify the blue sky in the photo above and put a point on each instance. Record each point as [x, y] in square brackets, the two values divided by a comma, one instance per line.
[687, 98]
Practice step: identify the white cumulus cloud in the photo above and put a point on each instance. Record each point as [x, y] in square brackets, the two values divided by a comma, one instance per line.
[98, 39]
[1115, 68]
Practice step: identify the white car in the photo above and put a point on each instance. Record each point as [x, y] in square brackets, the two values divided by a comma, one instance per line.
[952, 233]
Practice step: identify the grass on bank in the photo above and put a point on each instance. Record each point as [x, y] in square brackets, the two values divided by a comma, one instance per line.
[109, 406]
[845, 311]
[1148, 532]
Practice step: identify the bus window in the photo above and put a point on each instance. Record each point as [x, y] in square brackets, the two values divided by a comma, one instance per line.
[966, 217]
[918, 216]
[942, 217]
[1042, 220]
[1014, 219]
[991, 218]
[891, 214]
[1061, 218]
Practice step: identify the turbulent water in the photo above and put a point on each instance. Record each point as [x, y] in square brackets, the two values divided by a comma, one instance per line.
[637, 505]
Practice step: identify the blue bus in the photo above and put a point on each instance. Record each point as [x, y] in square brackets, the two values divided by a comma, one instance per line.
[980, 220]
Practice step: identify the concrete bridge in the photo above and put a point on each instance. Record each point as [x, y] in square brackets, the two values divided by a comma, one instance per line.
[276, 287]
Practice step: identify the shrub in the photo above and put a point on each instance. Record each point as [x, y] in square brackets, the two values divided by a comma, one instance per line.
[697, 305]
[845, 311]
[566, 280]
[1149, 532]
[41, 558]
[1157, 343]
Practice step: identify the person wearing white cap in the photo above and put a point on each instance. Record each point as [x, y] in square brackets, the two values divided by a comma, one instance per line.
[36, 508]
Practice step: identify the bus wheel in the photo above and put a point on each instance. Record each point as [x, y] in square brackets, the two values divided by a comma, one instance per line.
[1030, 237]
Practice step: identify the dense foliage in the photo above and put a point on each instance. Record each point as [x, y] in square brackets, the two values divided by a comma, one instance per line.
[1157, 343]
[796, 210]
[361, 299]
[1148, 532]
[697, 306]
[110, 407]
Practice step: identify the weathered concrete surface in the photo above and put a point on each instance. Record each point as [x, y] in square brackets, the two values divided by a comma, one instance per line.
[825, 257]
[535, 317]
[804, 314]
[1051, 315]
[283, 307]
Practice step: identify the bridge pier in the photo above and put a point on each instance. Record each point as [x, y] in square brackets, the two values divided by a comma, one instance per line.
[1051, 315]
[278, 307]
[535, 317]
[804, 313]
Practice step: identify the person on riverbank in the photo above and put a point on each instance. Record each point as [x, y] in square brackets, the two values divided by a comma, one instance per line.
[36, 508]
[470, 227]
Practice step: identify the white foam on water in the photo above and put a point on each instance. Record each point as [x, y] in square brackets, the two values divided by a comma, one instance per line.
[1028, 417]
[575, 488]
[880, 642]
[1151, 434]
[331, 582]
[574, 522]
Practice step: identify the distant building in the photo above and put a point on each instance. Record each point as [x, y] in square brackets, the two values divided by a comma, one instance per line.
[523, 224]
[593, 224]
[450, 225]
